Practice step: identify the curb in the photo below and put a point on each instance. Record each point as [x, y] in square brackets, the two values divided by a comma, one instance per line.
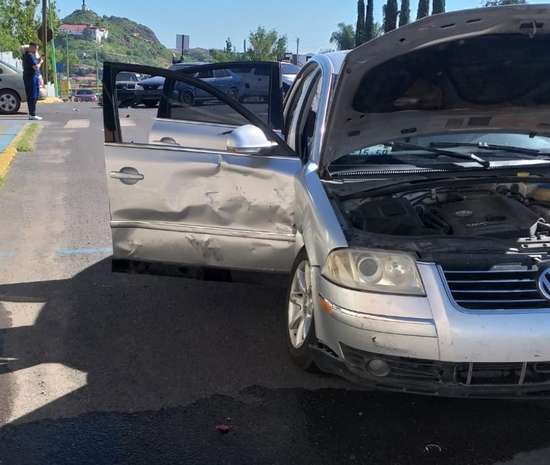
[9, 153]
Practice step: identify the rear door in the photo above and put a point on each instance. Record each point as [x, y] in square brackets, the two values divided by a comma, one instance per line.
[178, 196]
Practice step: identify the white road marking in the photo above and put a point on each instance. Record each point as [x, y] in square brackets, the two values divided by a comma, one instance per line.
[39, 385]
[77, 124]
[22, 313]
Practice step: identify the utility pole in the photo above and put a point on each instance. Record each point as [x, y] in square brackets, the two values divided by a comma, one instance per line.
[96, 69]
[244, 46]
[67, 56]
[45, 37]
[297, 50]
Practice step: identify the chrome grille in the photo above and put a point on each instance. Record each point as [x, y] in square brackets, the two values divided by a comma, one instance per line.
[496, 289]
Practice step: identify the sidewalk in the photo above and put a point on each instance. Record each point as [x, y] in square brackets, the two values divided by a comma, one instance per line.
[9, 129]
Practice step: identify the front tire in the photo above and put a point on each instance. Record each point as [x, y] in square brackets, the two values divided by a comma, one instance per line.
[300, 322]
[9, 102]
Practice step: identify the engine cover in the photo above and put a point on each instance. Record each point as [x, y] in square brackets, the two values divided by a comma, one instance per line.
[486, 215]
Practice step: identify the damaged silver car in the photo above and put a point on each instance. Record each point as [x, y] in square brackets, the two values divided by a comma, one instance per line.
[404, 186]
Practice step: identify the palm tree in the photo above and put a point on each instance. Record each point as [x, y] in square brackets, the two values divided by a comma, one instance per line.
[344, 37]
[405, 13]
[369, 22]
[438, 7]
[360, 28]
[423, 9]
[390, 15]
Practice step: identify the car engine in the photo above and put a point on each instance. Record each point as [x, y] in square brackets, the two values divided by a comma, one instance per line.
[504, 212]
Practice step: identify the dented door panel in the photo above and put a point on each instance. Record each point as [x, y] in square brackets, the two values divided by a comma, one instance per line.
[203, 207]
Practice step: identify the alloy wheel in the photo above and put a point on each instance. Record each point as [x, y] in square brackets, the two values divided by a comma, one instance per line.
[8, 103]
[300, 305]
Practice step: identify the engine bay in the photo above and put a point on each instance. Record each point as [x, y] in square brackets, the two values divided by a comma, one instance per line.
[500, 211]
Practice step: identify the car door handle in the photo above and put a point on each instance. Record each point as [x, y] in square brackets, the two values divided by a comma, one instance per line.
[127, 175]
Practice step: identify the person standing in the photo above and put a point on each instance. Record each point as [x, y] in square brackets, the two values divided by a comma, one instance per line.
[31, 77]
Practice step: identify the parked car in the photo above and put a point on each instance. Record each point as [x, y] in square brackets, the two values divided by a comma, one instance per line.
[12, 89]
[149, 91]
[290, 71]
[85, 95]
[404, 188]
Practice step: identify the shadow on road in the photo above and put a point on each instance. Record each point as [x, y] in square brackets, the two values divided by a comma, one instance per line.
[167, 359]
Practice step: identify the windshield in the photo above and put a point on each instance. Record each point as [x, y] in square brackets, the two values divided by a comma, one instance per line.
[126, 77]
[419, 151]
[289, 68]
[85, 91]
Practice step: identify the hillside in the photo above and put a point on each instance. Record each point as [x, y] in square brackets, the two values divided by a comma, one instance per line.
[128, 41]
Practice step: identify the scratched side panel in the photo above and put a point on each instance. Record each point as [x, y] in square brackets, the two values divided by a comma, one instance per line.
[204, 208]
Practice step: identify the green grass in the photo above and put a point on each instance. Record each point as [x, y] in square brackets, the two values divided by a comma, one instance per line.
[28, 138]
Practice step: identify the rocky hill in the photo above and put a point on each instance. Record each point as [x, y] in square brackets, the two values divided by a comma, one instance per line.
[128, 42]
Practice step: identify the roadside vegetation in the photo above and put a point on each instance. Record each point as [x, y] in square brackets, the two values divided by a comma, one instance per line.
[27, 139]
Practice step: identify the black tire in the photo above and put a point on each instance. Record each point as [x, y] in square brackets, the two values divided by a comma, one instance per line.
[14, 98]
[150, 103]
[188, 98]
[303, 355]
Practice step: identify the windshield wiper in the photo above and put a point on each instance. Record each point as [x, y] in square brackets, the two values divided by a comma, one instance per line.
[444, 153]
[486, 146]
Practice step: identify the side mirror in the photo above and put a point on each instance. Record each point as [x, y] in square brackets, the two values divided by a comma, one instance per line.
[249, 140]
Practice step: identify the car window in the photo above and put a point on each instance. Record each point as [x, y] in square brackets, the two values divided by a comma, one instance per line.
[126, 77]
[249, 84]
[298, 98]
[186, 102]
[203, 74]
[289, 68]
[221, 73]
[308, 118]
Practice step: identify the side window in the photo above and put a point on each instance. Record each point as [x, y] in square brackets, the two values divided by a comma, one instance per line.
[169, 108]
[299, 99]
[141, 122]
[308, 118]
[222, 73]
[249, 84]
[186, 102]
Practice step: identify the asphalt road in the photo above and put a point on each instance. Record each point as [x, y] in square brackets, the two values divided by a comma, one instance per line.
[100, 368]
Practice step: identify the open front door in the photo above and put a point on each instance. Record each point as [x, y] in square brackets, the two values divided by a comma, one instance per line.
[177, 194]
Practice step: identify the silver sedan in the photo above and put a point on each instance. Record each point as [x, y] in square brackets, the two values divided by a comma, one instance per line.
[12, 89]
[404, 187]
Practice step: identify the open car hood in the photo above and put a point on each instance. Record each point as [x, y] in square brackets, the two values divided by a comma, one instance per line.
[485, 70]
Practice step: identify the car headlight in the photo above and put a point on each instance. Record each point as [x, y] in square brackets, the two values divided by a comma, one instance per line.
[373, 270]
[139, 87]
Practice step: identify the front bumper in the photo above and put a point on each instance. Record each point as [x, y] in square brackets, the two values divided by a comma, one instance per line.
[434, 346]
[445, 379]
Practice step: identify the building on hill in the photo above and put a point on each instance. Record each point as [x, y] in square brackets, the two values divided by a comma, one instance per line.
[99, 34]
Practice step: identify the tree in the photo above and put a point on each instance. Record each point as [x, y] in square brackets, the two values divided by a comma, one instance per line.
[423, 9]
[344, 37]
[438, 7]
[404, 13]
[504, 2]
[360, 28]
[369, 21]
[266, 45]
[17, 24]
[390, 15]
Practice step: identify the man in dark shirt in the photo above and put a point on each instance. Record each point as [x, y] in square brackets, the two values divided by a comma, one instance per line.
[31, 77]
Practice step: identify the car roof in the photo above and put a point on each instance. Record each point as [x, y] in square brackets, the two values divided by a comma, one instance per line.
[336, 59]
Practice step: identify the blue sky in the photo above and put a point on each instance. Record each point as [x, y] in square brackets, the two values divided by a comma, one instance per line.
[210, 22]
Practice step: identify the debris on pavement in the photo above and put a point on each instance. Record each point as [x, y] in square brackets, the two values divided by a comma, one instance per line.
[430, 448]
[224, 429]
